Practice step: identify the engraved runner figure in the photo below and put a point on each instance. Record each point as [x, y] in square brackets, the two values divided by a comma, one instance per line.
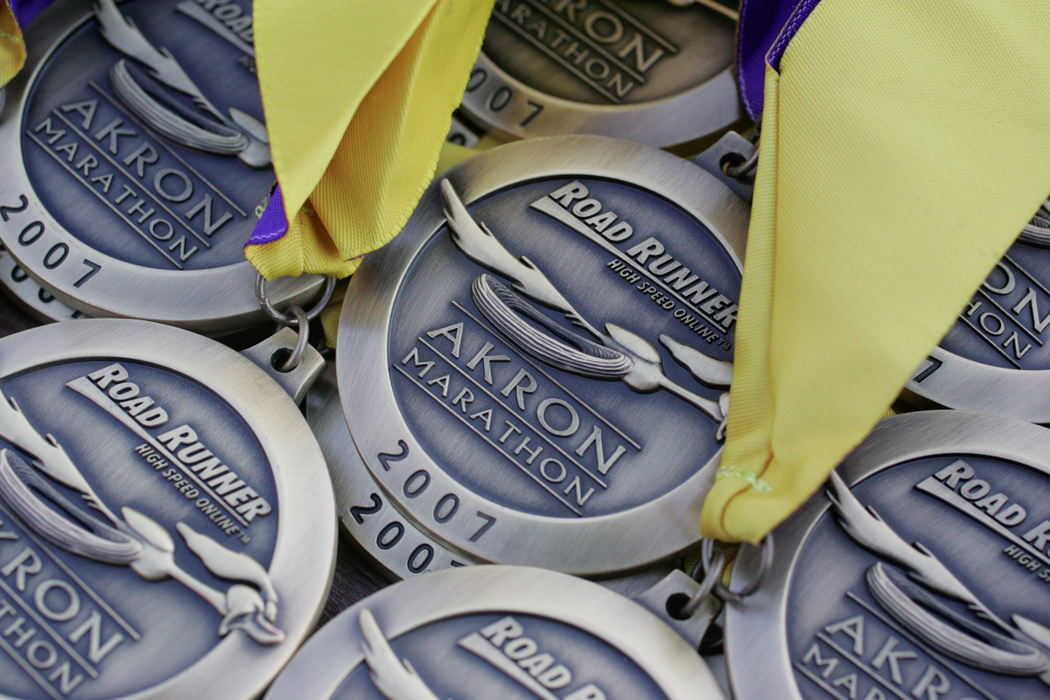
[1018, 649]
[616, 354]
[131, 539]
[238, 134]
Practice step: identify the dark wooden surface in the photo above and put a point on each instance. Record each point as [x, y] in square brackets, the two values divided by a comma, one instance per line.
[355, 576]
[12, 319]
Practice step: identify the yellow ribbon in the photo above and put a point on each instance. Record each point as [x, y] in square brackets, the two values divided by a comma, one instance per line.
[904, 145]
[358, 98]
[12, 47]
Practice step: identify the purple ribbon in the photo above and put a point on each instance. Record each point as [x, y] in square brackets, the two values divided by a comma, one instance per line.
[26, 10]
[272, 224]
[766, 28]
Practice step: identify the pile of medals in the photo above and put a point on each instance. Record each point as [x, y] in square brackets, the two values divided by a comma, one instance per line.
[532, 376]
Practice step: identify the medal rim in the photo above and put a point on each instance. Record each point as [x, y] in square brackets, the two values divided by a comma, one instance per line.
[353, 482]
[351, 479]
[962, 383]
[626, 540]
[757, 627]
[234, 665]
[38, 311]
[617, 621]
[691, 114]
[210, 300]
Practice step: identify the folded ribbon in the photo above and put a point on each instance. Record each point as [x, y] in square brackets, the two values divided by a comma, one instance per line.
[358, 98]
[12, 48]
[903, 147]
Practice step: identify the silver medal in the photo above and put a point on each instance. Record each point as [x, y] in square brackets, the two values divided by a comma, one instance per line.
[919, 571]
[37, 301]
[535, 370]
[391, 538]
[996, 358]
[645, 71]
[496, 632]
[166, 523]
[136, 164]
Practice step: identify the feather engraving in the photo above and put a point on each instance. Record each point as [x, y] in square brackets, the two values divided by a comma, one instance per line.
[480, 245]
[132, 539]
[234, 134]
[618, 353]
[394, 678]
[1018, 649]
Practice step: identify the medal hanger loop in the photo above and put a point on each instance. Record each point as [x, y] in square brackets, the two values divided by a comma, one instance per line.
[713, 564]
[302, 325]
[296, 317]
[741, 165]
[287, 318]
[736, 167]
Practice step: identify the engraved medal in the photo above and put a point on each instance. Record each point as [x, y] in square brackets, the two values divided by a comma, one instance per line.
[645, 71]
[137, 163]
[30, 296]
[535, 370]
[496, 632]
[394, 541]
[166, 522]
[920, 570]
[996, 357]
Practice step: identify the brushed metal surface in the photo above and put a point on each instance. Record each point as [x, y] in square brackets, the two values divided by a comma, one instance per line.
[197, 372]
[388, 537]
[33, 299]
[83, 245]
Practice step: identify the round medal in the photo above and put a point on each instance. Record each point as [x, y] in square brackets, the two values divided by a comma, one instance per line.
[496, 632]
[535, 369]
[646, 71]
[136, 164]
[920, 571]
[166, 523]
[394, 541]
[996, 358]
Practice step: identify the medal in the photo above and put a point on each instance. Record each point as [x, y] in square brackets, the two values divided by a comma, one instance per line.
[138, 164]
[496, 632]
[165, 519]
[919, 571]
[400, 547]
[535, 370]
[645, 71]
[993, 359]
[36, 300]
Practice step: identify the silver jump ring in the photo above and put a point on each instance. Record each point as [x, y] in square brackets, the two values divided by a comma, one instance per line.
[712, 575]
[284, 317]
[723, 591]
[302, 324]
[743, 168]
